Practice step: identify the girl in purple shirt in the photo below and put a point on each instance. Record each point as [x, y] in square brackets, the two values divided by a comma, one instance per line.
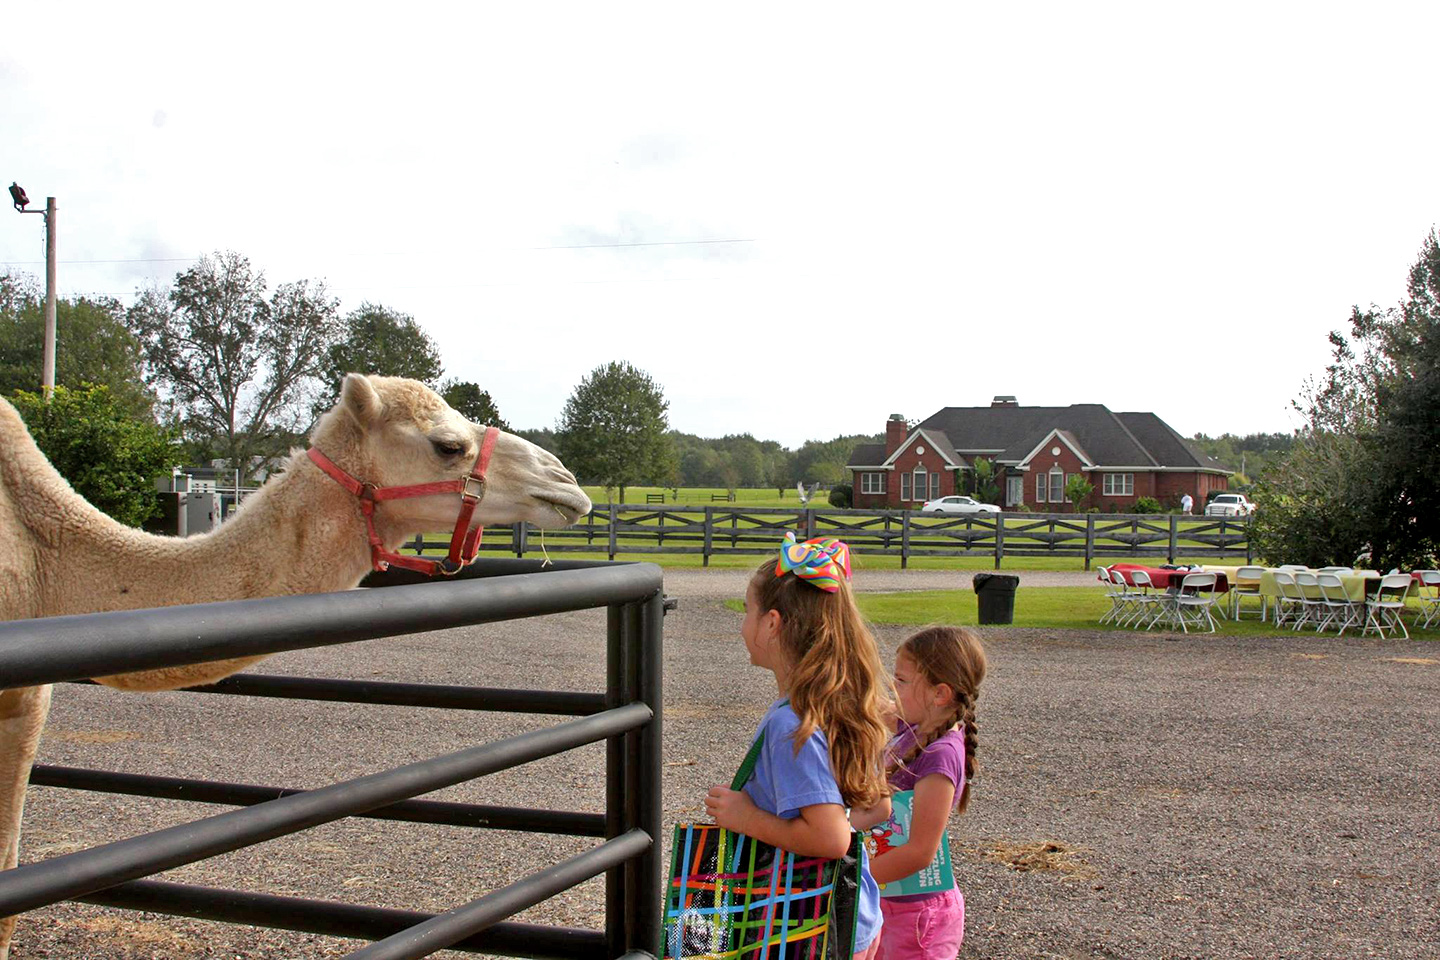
[937, 680]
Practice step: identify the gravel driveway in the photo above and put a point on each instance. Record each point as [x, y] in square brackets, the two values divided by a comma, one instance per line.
[1141, 795]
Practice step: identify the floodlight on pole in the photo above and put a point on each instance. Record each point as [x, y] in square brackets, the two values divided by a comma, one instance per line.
[21, 201]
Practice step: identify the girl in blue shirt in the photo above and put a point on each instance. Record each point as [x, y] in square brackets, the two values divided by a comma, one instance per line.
[825, 734]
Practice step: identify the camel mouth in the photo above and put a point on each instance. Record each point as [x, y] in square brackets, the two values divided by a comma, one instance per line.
[566, 511]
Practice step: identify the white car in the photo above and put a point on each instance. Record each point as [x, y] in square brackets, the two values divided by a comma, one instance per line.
[1229, 505]
[958, 505]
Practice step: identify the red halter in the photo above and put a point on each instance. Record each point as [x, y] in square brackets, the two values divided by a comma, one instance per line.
[464, 543]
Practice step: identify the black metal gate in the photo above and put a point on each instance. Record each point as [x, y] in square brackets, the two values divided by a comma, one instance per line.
[626, 715]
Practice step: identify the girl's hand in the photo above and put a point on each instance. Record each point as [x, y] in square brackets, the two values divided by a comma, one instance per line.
[731, 809]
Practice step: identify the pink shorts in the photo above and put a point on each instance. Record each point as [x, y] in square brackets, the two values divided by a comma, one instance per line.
[929, 929]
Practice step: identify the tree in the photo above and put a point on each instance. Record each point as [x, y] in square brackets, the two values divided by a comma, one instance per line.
[110, 457]
[986, 490]
[473, 403]
[382, 341]
[613, 429]
[93, 345]
[1361, 479]
[1078, 490]
[240, 367]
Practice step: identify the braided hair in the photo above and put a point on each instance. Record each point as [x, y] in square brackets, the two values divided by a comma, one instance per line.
[952, 656]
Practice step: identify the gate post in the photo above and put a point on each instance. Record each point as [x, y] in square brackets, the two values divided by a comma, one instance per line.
[1174, 536]
[644, 924]
[1089, 539]
[999, 539]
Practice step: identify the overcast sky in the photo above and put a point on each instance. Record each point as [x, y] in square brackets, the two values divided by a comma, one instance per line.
[798, 219]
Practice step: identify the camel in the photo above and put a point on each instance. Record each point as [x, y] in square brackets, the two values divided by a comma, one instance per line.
[303, 531]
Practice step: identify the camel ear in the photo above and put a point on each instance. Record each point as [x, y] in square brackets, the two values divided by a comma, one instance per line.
[359, 398]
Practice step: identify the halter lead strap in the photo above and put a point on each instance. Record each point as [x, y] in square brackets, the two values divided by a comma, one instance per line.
[464, 542]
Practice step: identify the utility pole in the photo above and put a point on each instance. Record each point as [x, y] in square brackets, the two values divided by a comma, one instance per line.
[48, 382]
[21, 201]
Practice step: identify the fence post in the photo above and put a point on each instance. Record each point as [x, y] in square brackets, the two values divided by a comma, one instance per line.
[709, 536]
[905, 540]
[612, 531]
[1089, 539]
[1174, 536]
[1249, 542]
[809, 523]
[999, 538]
[520, 537]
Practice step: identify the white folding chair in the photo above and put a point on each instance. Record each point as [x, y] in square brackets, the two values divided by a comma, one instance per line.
[1429, 596]
[1246, 583]
[1289, 601]
[1338, 608]
[1312, 603]
[1145, 604]
[1115, 591]
[1192, 603]
[1345, 570]
[1383, 610]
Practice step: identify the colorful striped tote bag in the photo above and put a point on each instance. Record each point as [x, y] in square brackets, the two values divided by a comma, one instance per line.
[730, 897]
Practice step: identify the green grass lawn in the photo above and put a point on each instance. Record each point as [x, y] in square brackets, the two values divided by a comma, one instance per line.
[1056, 608]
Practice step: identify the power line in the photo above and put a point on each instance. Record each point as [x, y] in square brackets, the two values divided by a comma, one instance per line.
[640, 243]
[137, 260]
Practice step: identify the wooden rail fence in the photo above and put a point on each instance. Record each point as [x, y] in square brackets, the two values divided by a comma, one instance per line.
[616, 529]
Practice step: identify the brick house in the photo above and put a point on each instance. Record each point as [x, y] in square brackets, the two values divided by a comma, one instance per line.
[1034, 450]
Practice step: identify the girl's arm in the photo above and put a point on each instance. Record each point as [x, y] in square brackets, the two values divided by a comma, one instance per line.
[820, 830]
[928, 813]
[863, 818]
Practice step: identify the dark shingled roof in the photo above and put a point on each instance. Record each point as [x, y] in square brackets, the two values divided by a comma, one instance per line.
[867, 455]
[1106, 438]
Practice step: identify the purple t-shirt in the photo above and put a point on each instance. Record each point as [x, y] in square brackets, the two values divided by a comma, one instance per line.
[945, 755]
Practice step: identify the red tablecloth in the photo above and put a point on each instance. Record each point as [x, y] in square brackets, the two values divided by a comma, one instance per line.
[1165, 579]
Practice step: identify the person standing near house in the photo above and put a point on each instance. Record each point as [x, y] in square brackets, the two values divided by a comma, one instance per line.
[1186, 502]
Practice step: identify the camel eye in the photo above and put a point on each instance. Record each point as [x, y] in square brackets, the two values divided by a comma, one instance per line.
[448, 448]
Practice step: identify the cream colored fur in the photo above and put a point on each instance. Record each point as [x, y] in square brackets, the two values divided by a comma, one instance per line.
[300, 533]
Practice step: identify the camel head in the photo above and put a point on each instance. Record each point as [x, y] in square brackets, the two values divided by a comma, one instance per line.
[390, 431]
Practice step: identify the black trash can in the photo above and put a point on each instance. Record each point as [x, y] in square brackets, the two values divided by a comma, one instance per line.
[996, 595]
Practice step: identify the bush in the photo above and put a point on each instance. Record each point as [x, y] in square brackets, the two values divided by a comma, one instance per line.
[841, 496]
[1148, 505]
[109, 457]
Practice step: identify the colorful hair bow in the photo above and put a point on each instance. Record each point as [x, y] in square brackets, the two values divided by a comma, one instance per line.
[822, 561]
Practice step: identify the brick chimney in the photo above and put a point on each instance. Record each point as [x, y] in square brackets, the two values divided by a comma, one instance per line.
[895, 433]
[1004, 400]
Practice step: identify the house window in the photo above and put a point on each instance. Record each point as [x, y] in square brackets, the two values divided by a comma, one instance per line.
[920, 493]
[1057, 485]
[904, 486]
[872, 483]
[934, 485]
[1119, 485]
[1040, 488]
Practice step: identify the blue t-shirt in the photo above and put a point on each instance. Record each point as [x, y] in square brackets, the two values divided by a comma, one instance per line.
[785, 781]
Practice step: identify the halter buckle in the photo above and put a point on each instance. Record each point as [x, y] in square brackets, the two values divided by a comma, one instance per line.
[479, 483]
[367, 492]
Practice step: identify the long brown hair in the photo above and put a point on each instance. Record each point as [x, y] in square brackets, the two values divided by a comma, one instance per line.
[952, 656]
[836, 676]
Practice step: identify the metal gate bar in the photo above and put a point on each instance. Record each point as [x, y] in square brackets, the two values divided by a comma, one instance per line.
[440, 812]
[388, 693]
[61, 878]
[93, 645]
[446, 928]
[331, 918]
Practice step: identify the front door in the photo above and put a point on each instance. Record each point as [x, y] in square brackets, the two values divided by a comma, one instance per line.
[1014, 491]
